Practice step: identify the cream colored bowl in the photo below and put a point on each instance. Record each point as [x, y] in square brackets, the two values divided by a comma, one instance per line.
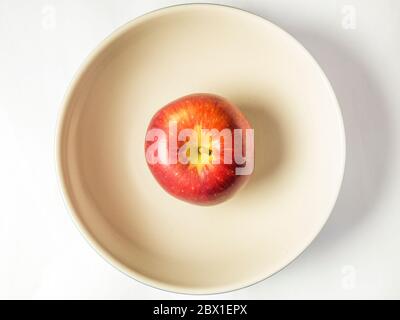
[300, 149]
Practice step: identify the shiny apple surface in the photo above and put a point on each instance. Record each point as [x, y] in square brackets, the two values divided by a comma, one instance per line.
[200, 179]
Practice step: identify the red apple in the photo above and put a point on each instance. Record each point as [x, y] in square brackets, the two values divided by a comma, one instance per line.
[193, 163]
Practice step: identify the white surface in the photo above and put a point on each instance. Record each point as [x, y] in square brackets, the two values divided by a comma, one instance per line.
[118, 204]
[43, 255]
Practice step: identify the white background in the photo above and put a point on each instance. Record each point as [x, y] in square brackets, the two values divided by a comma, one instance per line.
[42, 254]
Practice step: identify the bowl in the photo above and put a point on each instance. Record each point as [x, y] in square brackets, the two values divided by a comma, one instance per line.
[299, 149]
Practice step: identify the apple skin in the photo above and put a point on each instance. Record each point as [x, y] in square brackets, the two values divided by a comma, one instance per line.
[213, 183]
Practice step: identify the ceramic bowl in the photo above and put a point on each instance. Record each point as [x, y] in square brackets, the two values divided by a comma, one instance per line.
[299, 146]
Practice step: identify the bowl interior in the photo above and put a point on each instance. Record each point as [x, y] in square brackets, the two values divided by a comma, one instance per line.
[299, 148]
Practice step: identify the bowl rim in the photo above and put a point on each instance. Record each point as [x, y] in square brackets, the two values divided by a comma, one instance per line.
[68, 203]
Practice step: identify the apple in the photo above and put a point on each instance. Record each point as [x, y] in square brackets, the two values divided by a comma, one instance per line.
[200, 148]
